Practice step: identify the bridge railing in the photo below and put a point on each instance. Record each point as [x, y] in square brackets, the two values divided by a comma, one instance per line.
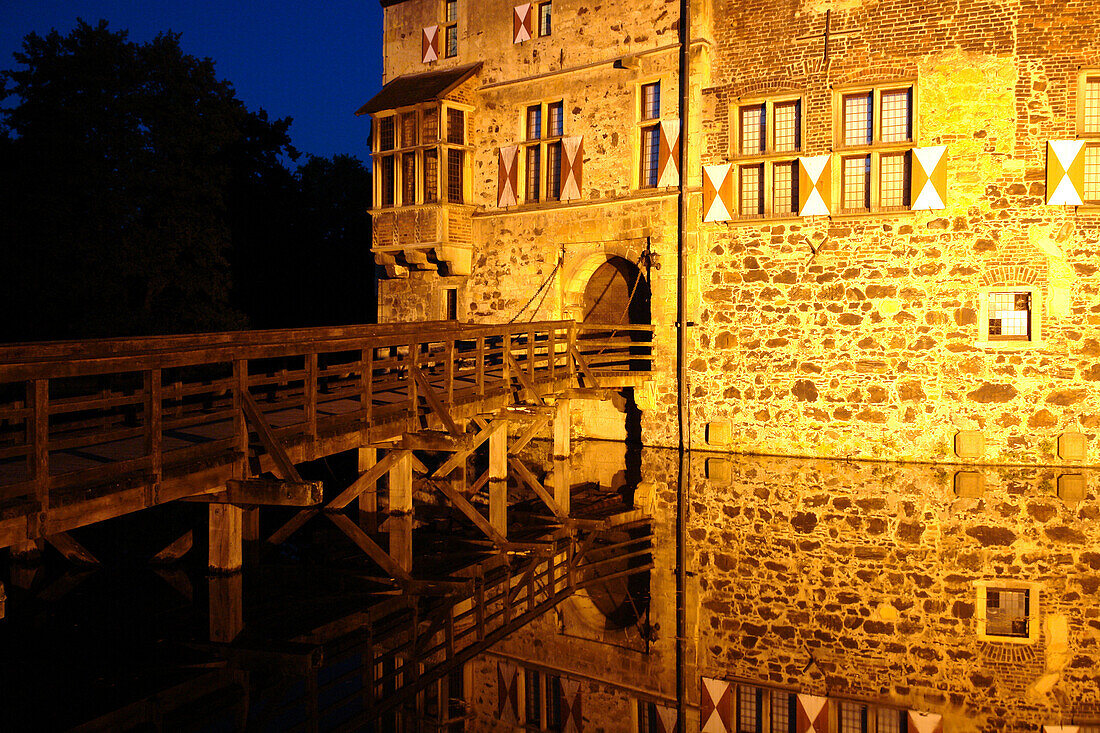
[80, 420]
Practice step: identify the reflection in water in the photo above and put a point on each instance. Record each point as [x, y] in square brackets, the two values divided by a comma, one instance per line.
[868, 597]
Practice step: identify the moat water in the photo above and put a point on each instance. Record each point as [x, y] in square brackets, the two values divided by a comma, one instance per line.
[968, 593]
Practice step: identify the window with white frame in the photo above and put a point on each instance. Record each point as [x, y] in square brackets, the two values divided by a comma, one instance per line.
[768, 139]
[409, 146]
[1007, 611]
[543, 127]
[1089, 129]
[650, 121]
[875, 135]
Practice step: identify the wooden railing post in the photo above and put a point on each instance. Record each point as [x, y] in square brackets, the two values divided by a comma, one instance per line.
[310, 390]
[366, 390]
[481, 367]
[505, 362]
[569, 360]
[449, 373]
[552, 351]
[531, 355]
[154, 406]
[413, 423]
[38, 400]
[240, 427]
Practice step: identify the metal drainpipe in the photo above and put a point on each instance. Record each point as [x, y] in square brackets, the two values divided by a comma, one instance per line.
[682, 387]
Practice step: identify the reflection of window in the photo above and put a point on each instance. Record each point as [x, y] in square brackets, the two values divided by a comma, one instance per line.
[1089, 128]
[450, 28]
[768, 136]
[407, 148]
[1006, 611]
[544, 126]
[544, 19]
[649, 117]
[542, 700]
[876, 135]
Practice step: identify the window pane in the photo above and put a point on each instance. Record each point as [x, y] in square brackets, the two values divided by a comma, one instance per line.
[889, 720]
[534, 122]
[408, 129]
[651, 101]
[751, 191]
[553, 171]
[748, 710]
[785, 188]
[534, 172]
[430, 125]
[385, 133]
[895, 116]
[452, 41]
[894, 172]
[408, 179]
[1009, 617]
[456, 126]
[533, 697]
[781, 712]
[856, 179]
[1092, 173]
[431, 176]
[387, 180]
[857, 119]
[752, 129]
[455, 159]
[1092, 104]
[544, 19]
[650, 142]
[553, 702]
[452, 11]
[555, 120]
[1009, 319]
[852, 717]
[787, 127]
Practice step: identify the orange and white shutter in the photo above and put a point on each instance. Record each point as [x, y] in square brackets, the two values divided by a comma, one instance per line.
[572, 167]
[522, 23]
[668, 154]
[507, 692]
[813, 714]
[571, 718]
[928, 182]
[715, 705]
[815, 180]
[666, 719]
[429, 44]
[1065, 172]
[717, 192]
[925, 722]
[507, 175]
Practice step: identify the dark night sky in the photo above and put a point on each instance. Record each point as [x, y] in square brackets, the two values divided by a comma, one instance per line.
[315, 62]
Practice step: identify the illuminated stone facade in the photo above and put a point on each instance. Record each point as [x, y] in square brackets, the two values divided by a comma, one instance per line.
[864, 333]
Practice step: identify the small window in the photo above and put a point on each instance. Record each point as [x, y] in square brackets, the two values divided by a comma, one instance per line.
[1009, 316]
[896, 123]
[452, 11]
[455, 165]
[858, 121]
[1091, 108]
[555, 120]
[451, 305]
[785, 188]
[784, 711]
[534, 173]
[532, 698]
[890, 720]
[750, 709]
[387, 183]
[649, 116]
[431, 176]
[430, 125]
[534, 122]
[408, 179]
[752, 191]
[456, 126]
[855, 183]
[753, 129]
[853, 717]
[553, 702]
[408, 130]
[648, 720]
[651, 101]
[553, 171]
[1092, 173]
[1007, 612]
[893, 177]
[544, 19]
[788, 133]
[385, 133]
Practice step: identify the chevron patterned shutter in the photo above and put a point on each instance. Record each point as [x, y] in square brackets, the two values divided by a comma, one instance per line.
[715, 704]
[815, 180]
[928, 183]
[507, 175]
[718, 192]
[813, 714]
[925, 722]
[572, 720]
[430, 44]
[572, 167]
[1065, 172]
[666, 719]
[507, 692]
[522, 23]
[668, 154]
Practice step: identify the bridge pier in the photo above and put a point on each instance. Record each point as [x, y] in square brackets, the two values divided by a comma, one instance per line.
[226, 538]
[399, 524]
[368, 500]
[562, 479]
[498, 481]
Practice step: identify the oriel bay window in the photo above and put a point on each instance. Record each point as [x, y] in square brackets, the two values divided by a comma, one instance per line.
[767, 140]
[543, 127]
[408, 147]
[875, 133]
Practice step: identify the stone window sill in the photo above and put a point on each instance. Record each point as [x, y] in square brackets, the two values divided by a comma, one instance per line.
[1010, 345]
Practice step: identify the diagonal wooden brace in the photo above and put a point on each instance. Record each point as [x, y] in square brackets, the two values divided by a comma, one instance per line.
[521, 470]
[528, 434]
[271, 443]
[460, 457]
[429, 393]
[369, 546]
[518, 372]
[583, 365]
[471, 512]
[367, 479]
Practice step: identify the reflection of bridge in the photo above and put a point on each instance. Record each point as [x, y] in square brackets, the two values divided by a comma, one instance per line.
[94, 430]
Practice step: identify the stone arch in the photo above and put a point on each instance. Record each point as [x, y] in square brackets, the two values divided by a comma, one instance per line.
[617, 268]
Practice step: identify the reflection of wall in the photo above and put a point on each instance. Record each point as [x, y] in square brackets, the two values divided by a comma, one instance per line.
[871, 568]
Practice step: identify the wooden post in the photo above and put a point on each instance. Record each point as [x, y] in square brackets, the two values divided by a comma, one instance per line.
[480, 367]
[570, 348]
[400, 508]
[449, 372]
[531, 356]
[226, 607]
[366, 394]
[250, 535]
[368, 500]
[413, 424]
[552, 352]
[154, 405]
[240, 427]
[562, 479]
[310, 390]
[38, 399]
[498, 481]
[226, 535]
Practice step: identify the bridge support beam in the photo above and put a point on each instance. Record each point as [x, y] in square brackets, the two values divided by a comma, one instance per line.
[498, 481]
[562, 479]
[226, 538]
[226, 594]
[399, 525]
[368, 500]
